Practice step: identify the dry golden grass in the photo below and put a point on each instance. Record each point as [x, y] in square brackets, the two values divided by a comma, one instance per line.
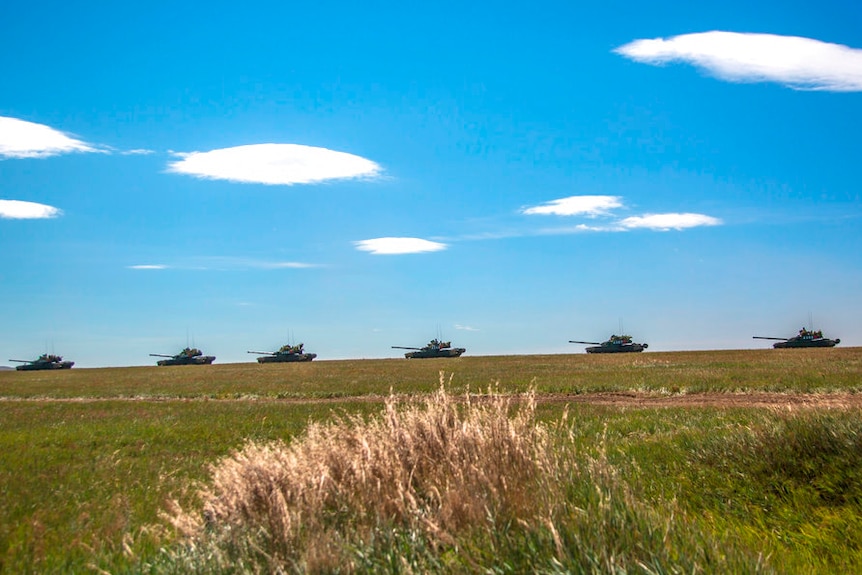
[435, 469]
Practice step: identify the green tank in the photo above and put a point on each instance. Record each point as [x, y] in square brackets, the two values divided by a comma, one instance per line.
[44, 361]
[805, 338]
[188, 356]
[434, 348]
[614, 344]
[285, 354]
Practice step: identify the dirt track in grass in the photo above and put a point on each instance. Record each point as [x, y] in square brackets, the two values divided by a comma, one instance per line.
[722, 400]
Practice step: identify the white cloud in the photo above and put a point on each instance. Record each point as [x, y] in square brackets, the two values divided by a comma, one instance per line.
[665, 222]
[138, 152]
[22, 139]
[18, 210]
[576, 205]
[390, 246]
[465, 327]
[800, 63]
[274, 164]
[148, 267]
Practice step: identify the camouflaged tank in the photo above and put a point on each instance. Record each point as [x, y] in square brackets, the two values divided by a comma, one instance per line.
[188, 356]
[435, 348]
[614, 344]
[805, 338]
[285, 354]
[44, 361]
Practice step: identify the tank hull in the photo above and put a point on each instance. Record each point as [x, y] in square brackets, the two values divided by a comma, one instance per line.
[432, 353]
[286, 357]
[45, 365]
[198, 360]
[625, 348]
[804, 342]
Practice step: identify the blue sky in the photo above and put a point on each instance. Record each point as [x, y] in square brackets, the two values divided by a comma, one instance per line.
[360, 175]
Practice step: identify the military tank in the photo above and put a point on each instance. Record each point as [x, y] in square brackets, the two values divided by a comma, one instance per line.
[44, 361]
[434, 348]
[805, 338]
[188, 356]
[614, 344]
[285, 354]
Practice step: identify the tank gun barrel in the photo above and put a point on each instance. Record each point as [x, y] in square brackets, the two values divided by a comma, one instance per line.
[586, 342]
[262, 352]
[775, 338]
[20, 360]
[160, 355]
[402, 347]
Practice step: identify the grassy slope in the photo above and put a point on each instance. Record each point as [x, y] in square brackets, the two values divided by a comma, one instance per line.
[82, 483]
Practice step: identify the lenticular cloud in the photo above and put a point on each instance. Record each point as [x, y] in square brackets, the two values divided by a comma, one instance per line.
[576, 205]
[665, 222]
[799, 63]
[22, 139]
[18, 210]
[394, 246]
[274, 164]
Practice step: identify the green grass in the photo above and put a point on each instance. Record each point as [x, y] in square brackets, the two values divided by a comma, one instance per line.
[86, 473]
[78, 479]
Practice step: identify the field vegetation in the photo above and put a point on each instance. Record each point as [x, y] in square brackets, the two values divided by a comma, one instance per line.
[317, 468]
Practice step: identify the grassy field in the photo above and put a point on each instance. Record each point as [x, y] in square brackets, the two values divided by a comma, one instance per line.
[802, 370]
[90, 459]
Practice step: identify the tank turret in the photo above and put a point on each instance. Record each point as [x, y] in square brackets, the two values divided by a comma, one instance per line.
[285, 354]
[434, 348]
[614, 344]
[805, 338]
[44, 361]
[188, 356]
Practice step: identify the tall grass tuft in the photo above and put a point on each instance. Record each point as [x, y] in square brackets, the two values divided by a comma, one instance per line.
[454, 484]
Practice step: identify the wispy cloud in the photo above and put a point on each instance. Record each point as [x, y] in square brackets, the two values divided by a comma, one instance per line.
[576, 205]
[18, 210]
[393, 246]
[222, 263]
[578, 229]
[137, 152]
[284, 265]
[799, 63]
[465, 327]
[22, 139]
[666, 222]
[274, 164]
